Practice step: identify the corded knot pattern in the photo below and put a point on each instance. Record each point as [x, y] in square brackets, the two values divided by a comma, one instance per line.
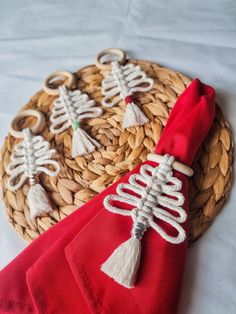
[70, 108]
[122, 82]
[30, 157]
[155, 195]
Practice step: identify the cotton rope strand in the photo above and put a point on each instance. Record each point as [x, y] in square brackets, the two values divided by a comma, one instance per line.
[150, 185]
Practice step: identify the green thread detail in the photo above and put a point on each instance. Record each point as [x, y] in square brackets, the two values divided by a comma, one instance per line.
[75, 124]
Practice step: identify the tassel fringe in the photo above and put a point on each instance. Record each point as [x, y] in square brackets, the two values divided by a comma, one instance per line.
[82, 143]
[133, 116]
[123, 264]
[39, 203]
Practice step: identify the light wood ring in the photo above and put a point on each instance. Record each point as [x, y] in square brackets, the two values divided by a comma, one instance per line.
[114, 51]
[36, 128]
[176, 164]
[56, 91]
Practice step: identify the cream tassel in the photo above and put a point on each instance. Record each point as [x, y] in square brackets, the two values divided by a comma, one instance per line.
[39, 203]
[133, 116]
[123, 264]
[82, 143]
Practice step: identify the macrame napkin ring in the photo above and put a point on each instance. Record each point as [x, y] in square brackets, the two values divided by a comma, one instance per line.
[28, 159]
[151, 193]
[69, 109]
[120, 84]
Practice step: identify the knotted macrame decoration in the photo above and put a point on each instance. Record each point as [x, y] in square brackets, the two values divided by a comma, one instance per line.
[151, 192]
[30, 158]
[121, 83]
[68, 110]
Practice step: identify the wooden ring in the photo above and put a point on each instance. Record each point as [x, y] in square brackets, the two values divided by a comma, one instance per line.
[27, 113]
[62, 74]
[114, 51]
[176, 164]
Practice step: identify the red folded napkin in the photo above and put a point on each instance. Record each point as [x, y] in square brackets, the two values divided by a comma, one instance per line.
[92, 233]
[162, 263]
[14, 293]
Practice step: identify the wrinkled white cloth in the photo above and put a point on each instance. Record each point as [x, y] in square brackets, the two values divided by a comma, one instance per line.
[195, 37]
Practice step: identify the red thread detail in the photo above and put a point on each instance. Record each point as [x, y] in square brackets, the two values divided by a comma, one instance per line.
[128, 99]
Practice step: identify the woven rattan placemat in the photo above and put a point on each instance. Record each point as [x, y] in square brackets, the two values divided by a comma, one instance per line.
[82, 178]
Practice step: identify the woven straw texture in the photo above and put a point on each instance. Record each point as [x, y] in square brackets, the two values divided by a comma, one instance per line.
[82, 178]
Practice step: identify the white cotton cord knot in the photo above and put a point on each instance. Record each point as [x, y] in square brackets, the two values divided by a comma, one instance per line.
[152, 192]
[28, 160]
[120, 84]
[68, 110]
[166, 165]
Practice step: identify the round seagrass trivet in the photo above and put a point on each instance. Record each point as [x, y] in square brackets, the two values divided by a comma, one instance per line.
[82, 178]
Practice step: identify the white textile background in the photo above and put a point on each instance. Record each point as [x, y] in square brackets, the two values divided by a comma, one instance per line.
[195, 37]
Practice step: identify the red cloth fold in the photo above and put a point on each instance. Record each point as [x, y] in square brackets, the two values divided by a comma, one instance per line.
[63, 265]
[162, 263]
[189, 122]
